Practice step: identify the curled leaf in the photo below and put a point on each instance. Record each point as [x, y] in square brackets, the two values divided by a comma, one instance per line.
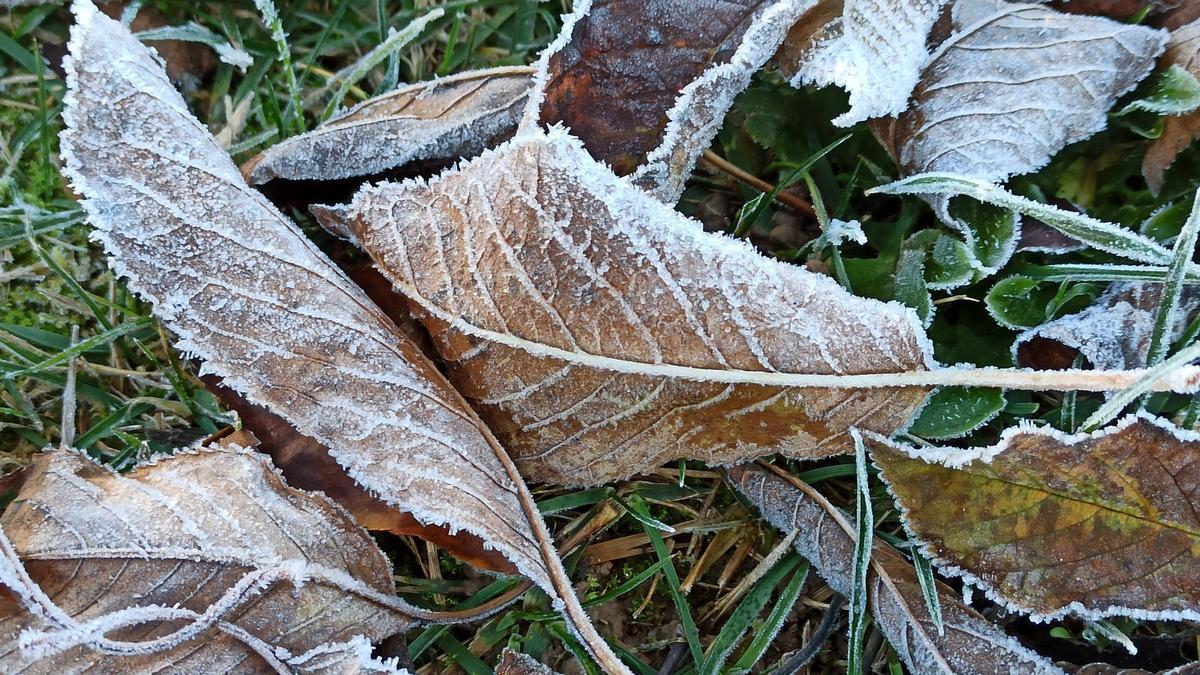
[201, 562]
[1178, 130]
[968, 643]
[1096, 524]
[646, 85]
[875, 49]
[601, 333]
[1013, 87]
[443, 119]
[246, 292]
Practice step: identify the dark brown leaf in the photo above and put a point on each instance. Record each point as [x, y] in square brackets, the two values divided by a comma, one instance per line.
[645, 83]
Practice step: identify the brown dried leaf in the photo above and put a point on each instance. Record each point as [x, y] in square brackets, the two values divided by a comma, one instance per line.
[201, 562]
[970, 643]
[1094, 524]
[601, 333]
[443, 119]
[1178, 130]
[1014, 86]
[306, 464]
[1179, 13]
[516, 663]
[247, 292]
[646, 85]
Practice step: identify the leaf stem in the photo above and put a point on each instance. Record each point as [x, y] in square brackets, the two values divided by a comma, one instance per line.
[725, 166]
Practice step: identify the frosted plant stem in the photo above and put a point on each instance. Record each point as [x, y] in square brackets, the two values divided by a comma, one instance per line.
[1181, 379]
[66, 428]
[864, 522]
[348, 77]
[1181, 257]
[1102, 272]
[1150, 376]
[1098, 234]
[270, 18]
[725, 166]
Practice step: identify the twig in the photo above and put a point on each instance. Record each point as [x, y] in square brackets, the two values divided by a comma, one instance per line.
[817, 640]
[725, 166]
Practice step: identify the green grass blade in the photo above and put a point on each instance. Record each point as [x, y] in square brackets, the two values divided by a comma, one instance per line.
[929, 589]
[84, 345]
[462, 657]
[572, 645]
[1101, 272]
[755, 207]
[632, 660]
[430, 635]
[1113, 407]
[865, 528]
[359, 70]
[625, 587]
[690, 632]
[741, 618]
[1104, 236]
[111, 423]
[573, 500]
[293, 115]
[1172, 287]
[765, 634]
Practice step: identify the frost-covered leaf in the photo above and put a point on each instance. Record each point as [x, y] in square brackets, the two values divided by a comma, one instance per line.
[443, 119]
[1097, 524]
[1009, 90]
[1112, 333]
[957, 411]
[253, 298]
[306, 464]
[201, 562]
[1017, 302]
[601, 333]
[875, 49]
[1175, 92]
[1178, 130]
[646, 85]
[969, 643]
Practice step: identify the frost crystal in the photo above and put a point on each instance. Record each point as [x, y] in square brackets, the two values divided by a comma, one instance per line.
[875, 50]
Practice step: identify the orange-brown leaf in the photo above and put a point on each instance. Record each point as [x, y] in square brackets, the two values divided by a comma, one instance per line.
[601, 333]
[1097, 524]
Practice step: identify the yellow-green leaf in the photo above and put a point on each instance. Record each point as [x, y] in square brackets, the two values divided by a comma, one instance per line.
[1097, 524]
